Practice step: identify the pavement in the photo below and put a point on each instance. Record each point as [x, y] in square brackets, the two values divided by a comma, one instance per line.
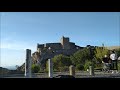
[80, 74]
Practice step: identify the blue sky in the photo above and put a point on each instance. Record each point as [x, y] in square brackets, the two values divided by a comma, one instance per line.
[22, 30]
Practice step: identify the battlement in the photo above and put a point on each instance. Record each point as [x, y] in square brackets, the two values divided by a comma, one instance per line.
[53, 45]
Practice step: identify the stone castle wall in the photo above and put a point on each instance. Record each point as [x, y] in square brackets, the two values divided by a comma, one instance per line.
[64, 47]
[64, 44]
[53, 45]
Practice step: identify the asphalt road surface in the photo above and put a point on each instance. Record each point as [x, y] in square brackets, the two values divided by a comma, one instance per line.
[81, 74]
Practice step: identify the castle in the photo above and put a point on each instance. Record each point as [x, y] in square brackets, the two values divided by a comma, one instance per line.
[49, 50]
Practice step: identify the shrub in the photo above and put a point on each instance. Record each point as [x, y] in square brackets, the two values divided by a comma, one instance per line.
[35, 68]
[65, 68]
[118, 65]
[61, 62]
[80, 56]
[80, 67]
[87, 64]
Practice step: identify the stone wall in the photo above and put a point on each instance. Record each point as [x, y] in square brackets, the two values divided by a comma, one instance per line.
[53, 45]
[40, 45]
[72, 45]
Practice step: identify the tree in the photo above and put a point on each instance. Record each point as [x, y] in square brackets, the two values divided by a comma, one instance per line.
[118, 52]
[60, 61]
[118, 55]
[87, 64]
[100, 52]
[80, 67]
[80, 56]
[35, 68]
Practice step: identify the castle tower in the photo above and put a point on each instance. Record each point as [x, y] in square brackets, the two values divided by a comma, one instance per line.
[65, 42]
[38, 49]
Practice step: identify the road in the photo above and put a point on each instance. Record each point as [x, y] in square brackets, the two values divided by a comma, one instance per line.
[81, 74]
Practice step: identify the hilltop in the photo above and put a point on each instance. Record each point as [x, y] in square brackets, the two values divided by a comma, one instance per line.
[113, 47]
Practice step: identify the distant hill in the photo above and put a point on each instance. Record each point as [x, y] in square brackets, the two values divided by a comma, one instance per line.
[113, 47]
[10, 67]
[4, 70]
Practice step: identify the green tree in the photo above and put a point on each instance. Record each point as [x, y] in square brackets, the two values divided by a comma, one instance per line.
[118, 52]
[118, 55]
[87, 64]
[60, 61]
[100, 52]
[46, 66]
[119, 66]
[80, 67]
[80, 56]
[35, 68]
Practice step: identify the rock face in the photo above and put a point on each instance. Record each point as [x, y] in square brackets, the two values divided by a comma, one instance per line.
[21, 68]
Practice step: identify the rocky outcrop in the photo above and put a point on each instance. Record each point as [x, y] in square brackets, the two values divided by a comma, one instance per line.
[21, 68]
